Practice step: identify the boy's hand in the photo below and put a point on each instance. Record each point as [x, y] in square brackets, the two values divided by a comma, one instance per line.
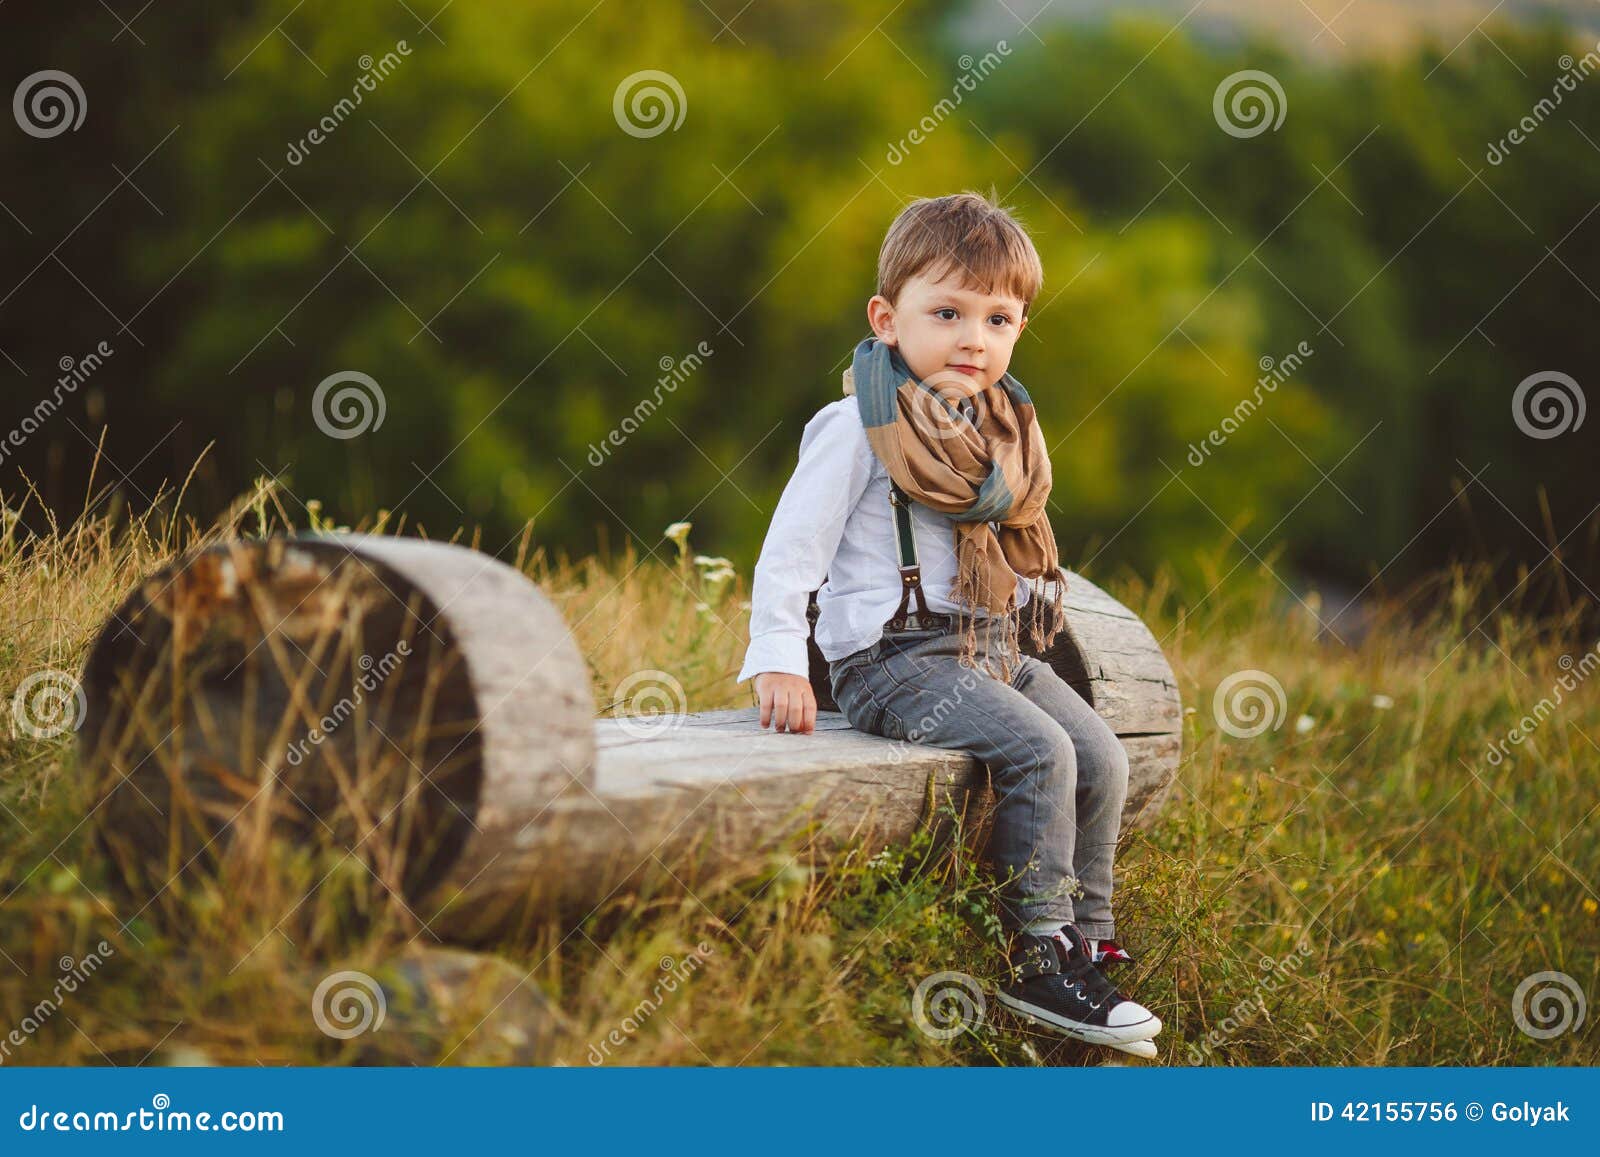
[787, 701]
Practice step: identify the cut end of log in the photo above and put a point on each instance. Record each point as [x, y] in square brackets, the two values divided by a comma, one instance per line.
[391, 697]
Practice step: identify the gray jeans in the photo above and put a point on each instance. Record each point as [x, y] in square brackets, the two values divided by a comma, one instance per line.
[1059, 773]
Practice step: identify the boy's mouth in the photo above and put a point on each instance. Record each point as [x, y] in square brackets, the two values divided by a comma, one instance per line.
[972, 370]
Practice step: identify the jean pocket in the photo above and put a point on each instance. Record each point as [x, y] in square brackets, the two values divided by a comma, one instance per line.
[837, 667]
[855, 699]
[862, 705]
[889, 724]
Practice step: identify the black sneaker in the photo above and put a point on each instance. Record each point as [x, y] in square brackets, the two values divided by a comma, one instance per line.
[1053, 981]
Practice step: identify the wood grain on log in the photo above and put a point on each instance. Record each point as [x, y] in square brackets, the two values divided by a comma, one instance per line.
[417, 702]
[695, 794]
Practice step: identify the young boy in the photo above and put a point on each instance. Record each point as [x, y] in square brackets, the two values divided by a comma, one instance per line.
[931, 420]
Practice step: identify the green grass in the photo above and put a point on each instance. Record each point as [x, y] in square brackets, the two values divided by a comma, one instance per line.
[1391, 882]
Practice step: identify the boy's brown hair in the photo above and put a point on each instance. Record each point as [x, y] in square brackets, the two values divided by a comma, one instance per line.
[966, 232]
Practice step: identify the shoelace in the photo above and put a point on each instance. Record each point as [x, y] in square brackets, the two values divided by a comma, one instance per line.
[1081, 973]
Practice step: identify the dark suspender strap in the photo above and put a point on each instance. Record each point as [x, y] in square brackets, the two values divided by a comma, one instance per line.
[902, 522]
[910, 569]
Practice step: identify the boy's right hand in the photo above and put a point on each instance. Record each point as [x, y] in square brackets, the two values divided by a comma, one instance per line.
[787, 701]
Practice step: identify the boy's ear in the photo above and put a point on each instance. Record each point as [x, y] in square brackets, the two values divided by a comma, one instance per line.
[880, 315]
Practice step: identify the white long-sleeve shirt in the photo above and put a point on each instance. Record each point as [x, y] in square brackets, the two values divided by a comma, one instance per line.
[834, 519]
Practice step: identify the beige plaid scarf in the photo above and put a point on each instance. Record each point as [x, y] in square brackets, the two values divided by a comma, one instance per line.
[979, 456]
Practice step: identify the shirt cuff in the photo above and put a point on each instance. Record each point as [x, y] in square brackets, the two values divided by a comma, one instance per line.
[784, 654]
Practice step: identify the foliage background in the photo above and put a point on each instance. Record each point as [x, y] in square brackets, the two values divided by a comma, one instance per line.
[512, 268]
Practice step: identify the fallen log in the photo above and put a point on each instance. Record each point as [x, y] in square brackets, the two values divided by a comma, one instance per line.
[416, 701]
[240, 691]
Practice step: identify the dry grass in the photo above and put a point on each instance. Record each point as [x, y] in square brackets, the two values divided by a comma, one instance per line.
[1422, 880]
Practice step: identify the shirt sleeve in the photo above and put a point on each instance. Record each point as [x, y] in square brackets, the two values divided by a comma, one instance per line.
[834, 468]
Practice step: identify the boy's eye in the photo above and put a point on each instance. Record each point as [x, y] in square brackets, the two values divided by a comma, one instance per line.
[1001, 319]
[940, 314]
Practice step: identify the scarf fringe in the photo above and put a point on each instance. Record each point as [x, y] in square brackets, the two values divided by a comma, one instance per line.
[1043, 627]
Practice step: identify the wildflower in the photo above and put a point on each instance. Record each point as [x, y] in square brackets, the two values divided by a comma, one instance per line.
[1382, 937]
[1382, 702]
[1300, 885]
[678, 532]
[1589, 905]
[1304, 724]
[714, 572]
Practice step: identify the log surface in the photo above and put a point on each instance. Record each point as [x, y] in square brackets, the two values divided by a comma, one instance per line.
[714, 788]
[203, 685]
[694, 793]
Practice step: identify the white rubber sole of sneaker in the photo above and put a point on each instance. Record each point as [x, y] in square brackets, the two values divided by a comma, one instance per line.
[1124, 1038]
[1139, 1048]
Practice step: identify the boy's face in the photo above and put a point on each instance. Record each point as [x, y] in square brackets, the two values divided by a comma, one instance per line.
[947, 332]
